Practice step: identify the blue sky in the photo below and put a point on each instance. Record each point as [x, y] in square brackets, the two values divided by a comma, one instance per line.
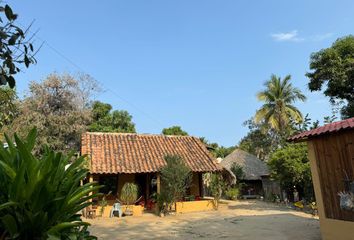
[198, 64]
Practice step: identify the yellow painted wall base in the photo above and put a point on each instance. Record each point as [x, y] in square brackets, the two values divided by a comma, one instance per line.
[137, 210]
[194, 206]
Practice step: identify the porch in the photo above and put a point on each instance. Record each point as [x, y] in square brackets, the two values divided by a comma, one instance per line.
[149, 185]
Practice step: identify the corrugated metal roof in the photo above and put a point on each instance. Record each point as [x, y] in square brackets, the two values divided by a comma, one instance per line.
[326, 129]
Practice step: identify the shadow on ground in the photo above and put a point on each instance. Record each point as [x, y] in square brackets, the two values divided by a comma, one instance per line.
[233, 223]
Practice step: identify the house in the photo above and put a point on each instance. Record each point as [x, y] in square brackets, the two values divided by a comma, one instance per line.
[256, 174]
[118, 158]
[331, 155]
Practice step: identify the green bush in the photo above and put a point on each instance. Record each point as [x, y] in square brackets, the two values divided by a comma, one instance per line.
[40, 197]
[217, 187]
[176, 178]
[232, 193]
[129, 193]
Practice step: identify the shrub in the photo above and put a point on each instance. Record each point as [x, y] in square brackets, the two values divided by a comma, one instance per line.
[290, 165]
[176, 177]
[238, 171]
[217, 187]
[232, 193]
[129, 193]
[41, 197]
[129, 196]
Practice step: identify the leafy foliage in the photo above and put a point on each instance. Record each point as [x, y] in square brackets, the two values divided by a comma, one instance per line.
[40, 197]
[176, 178]
[103, 120]
[259, 141]
[8, 106]
[174, 130]
[216, 150]
[290, 165]
[238, 171]
[15, 50]
[232, 193]
[278, 109]
[217, 186]
[333, 67]
[129, 193]
[59, 108]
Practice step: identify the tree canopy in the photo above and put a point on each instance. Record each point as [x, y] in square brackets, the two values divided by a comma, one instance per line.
[216, 150]
[290, 165]
[333, 69]
[278, 110]
[174, 130]
[58, 108]
[8, 106]
[105, 120]
[15, 49]
[258, 141]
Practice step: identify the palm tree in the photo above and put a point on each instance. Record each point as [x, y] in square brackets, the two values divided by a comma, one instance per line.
[278, 97]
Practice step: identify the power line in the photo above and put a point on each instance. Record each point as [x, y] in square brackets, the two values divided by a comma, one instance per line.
[158, 122]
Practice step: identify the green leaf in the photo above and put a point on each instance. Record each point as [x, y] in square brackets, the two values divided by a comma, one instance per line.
[31, 139]
[8, 12]
[11, 81]
[8, 204]
[27, 61]
[10, 224]
[65, 225]
[8, 170]
[13, 39]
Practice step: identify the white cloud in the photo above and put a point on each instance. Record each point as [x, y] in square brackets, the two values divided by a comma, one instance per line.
[287, 36]
[293, 36]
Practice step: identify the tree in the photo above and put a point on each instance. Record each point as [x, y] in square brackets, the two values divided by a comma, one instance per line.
[290, 165]
[333, 68]
[8, 106]
[40, 197]
[174, 130]
[217, 187]
[259, 141]
[106, 121]
[58, 108]
[278, 109]
[176, 177]
[216, 150]
[15, 50]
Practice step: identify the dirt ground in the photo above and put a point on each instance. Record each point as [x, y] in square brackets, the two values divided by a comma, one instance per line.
[236, 220]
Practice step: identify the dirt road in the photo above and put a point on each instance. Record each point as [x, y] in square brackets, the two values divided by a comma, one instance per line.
[236, 220]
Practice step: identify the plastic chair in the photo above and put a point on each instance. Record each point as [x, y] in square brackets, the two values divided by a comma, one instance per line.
[116, 209]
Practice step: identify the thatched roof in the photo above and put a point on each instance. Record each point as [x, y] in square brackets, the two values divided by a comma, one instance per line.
[253, 167]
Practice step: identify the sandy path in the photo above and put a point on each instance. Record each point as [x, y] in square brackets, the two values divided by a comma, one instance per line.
[237, 220]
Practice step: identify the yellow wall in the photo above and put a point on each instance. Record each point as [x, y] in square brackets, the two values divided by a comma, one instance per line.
[330, 229]
[137, 210]
[194, 206]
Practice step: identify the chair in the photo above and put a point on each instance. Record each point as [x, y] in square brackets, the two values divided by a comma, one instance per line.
[116, 209]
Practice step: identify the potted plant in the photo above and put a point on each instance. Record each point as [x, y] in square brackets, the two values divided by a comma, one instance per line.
[128, 197]
[103, 203]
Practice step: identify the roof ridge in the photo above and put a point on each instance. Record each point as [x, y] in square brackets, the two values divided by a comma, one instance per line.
[325, 129]
[139, 134]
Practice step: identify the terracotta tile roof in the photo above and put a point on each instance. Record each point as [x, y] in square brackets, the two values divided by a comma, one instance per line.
[139, 153]
[326, 129]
